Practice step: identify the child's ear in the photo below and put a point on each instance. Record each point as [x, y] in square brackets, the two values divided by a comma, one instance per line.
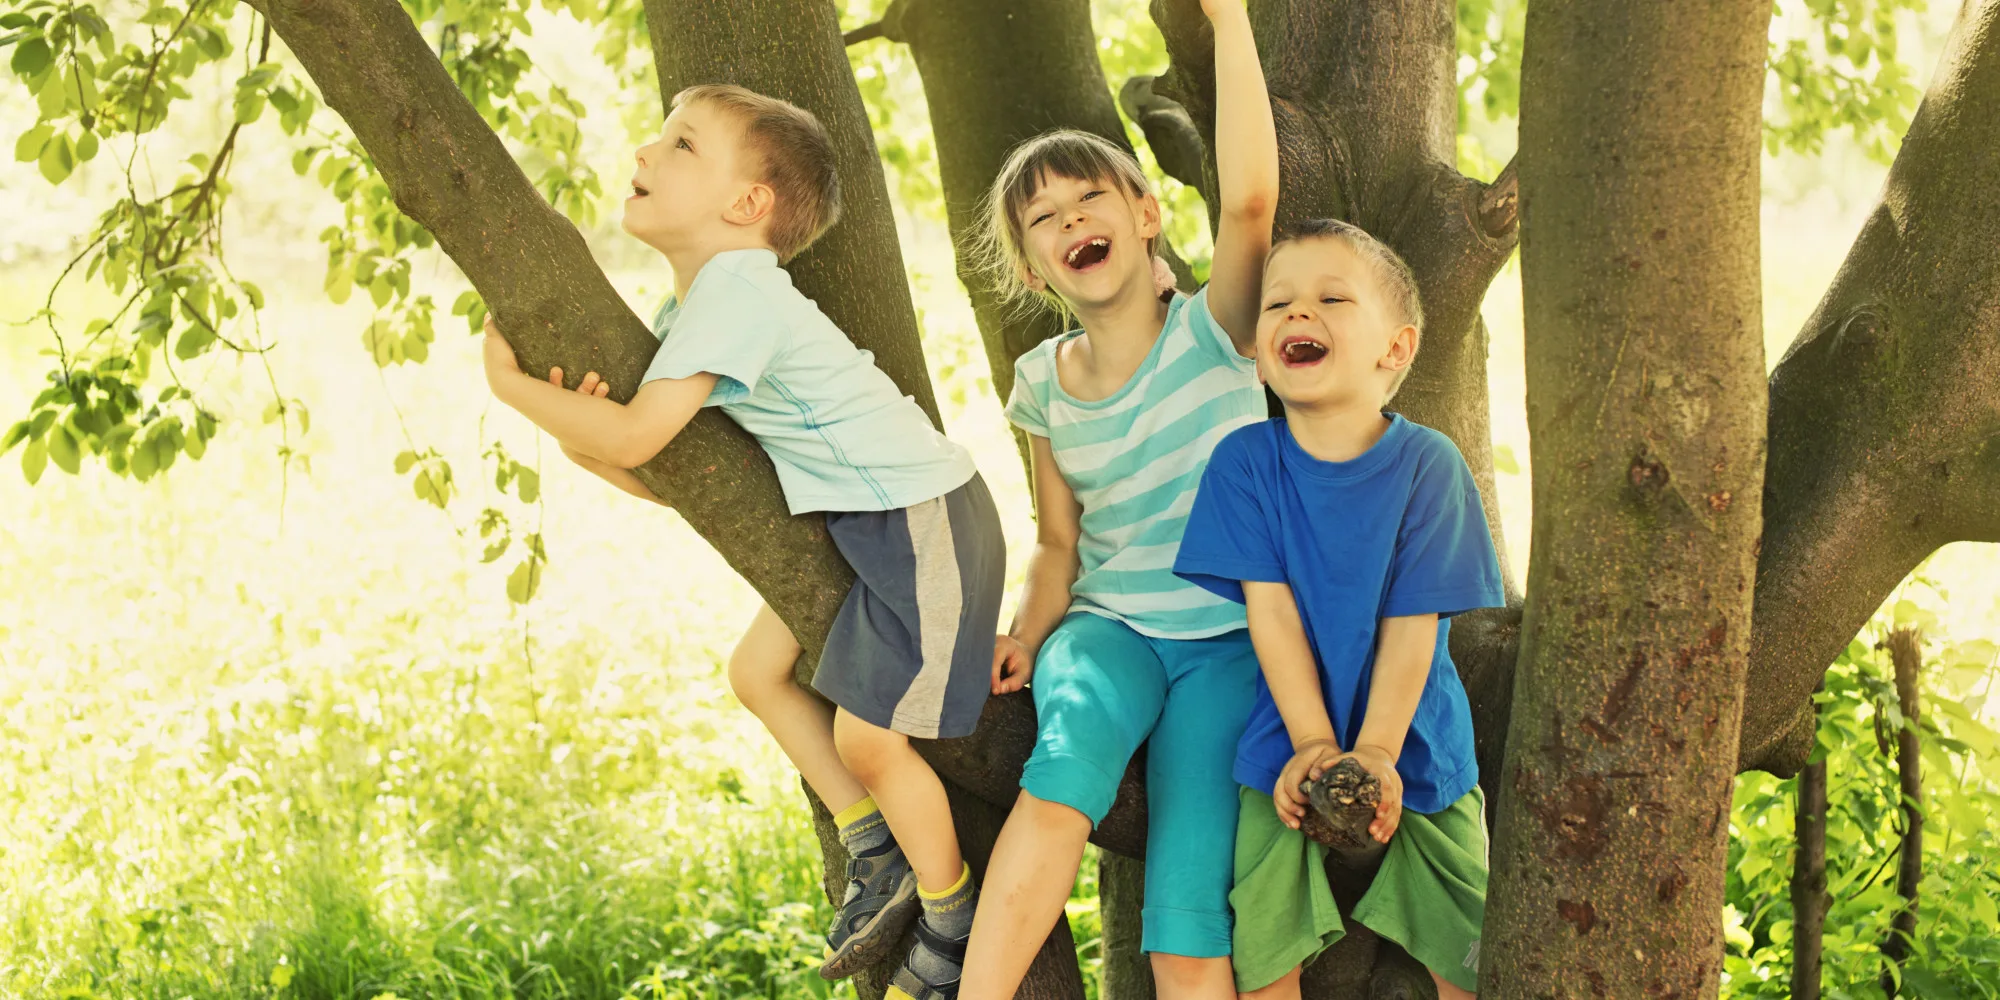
[1149, 216]
[1031, 279]
[753, 205]
[1402, 349]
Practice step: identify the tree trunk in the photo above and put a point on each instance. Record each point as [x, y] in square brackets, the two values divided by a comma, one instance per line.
[1639, 202]
[1885, 412]
[1121, 885]
[1906, 652]
[1809, 898]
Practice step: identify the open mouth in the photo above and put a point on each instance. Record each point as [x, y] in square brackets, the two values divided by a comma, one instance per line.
[1088, 253]
[639, 190]
[1300, 352]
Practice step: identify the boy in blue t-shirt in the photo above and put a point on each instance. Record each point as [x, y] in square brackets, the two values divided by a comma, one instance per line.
[738, 184]
[1352, 536]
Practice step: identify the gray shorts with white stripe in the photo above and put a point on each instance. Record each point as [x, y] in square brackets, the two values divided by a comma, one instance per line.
[912, 648]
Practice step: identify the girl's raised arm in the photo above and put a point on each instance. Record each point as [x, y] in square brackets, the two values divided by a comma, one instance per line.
[1246, 167]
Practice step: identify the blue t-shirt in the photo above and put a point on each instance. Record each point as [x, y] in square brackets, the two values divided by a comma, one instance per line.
[842, 435]
[1396, 531]
[1134, 459]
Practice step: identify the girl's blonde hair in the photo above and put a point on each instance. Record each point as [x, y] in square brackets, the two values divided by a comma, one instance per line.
[1062, 153]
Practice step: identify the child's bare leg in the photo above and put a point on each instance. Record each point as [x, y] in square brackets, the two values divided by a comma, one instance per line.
[760, 673]
[1028, 880]
[909, 794]
[1286, 988]
[1183, 977]
[1447, 991]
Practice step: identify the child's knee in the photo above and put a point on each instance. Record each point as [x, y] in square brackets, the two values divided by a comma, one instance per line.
[864, 746]
[1285, 988]
[755, 680]
[1183, 975]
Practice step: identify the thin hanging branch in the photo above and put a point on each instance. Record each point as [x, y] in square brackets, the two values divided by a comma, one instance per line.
[1906, 652]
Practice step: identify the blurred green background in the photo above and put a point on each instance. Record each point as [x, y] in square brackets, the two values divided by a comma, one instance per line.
[272, 724]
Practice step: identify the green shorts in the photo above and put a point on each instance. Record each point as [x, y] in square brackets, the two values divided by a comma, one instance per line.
[1429, 897]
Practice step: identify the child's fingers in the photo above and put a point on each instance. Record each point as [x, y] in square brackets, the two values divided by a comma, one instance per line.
[603, 389]
[589, 384]
[491, 327]
[555, 377]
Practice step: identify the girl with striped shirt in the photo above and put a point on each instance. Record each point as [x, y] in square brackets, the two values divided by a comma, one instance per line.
[1122, 413]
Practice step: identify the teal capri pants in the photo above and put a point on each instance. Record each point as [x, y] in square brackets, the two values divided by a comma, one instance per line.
[1101, 689]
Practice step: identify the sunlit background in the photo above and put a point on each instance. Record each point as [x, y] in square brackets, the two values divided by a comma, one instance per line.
[269, 726]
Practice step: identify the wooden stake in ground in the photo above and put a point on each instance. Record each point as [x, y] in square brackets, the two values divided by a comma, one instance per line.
[1906, 651]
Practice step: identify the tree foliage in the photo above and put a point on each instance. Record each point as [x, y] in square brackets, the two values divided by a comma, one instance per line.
[1955, 954]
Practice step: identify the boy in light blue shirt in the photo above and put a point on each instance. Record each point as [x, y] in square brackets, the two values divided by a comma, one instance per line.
[1352, 536]
[738, 184]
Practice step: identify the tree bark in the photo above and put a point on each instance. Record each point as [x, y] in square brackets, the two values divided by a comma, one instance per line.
[1638, 183]
[1885, 412]
[1121, 884]
[1906, 652]
[1809, 898]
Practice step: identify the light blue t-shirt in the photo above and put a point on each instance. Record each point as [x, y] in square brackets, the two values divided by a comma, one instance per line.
[1134, 459]
[843, 437]
[1396, 531]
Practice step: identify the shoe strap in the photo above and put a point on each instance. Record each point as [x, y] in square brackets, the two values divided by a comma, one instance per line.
[951, 948]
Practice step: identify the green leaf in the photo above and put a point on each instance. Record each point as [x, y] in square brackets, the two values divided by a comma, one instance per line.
[404, 461]
[34, 460]
[496, 550]
[194, 340]
[29, 145]
[382, 343]
[86, 147]
[64, 450]
[416, 348]
[339, 282]
[57, 160]
[31, 57]
[522, 583]
[1504, 462]
[145, 462]
[527, 483]
[15, 435]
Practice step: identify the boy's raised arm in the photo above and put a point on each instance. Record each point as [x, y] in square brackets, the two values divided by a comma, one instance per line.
[1246, 168]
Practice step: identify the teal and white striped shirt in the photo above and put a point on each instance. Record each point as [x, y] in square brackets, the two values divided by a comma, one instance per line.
[1134, 460]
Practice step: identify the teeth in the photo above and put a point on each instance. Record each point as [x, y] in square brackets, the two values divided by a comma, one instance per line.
[1081, 247]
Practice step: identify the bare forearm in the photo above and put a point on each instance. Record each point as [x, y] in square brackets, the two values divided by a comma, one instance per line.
[1246, 136]
[621, 478]
[1045, 594]
[1288, 663]
[1402, 666]
[588, 425]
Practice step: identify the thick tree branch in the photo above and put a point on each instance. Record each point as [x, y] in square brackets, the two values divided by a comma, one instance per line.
[1500, 205]
[1171, 135]
[1885, 413]
[450, 173]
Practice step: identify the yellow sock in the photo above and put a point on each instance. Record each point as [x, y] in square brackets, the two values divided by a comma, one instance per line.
[964, 879]
[854, 812]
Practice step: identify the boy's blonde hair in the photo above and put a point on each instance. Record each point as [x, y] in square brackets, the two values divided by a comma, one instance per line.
[795, 158]
[1078, 155]
[1391, 272]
